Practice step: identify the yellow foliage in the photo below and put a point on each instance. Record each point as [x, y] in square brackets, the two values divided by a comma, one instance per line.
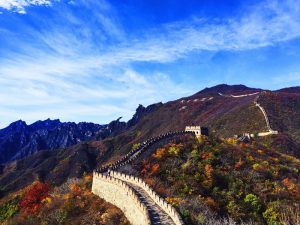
[250, 158]
[231, 141]
[260, 152]
[174, 201]
[67, 196]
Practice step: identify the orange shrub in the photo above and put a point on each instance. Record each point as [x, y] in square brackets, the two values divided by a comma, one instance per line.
[76, 191]
[290, 185]
[208, 171]
[160, 153]
[212, 203]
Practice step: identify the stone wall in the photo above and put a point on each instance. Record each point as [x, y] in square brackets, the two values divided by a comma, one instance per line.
[123, 196]
[169, 209]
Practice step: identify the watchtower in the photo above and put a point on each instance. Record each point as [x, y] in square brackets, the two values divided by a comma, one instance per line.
[198, 130]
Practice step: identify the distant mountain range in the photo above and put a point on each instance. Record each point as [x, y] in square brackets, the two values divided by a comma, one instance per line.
[19, 140]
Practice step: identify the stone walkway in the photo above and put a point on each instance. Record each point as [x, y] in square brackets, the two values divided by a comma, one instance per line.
[157, 214]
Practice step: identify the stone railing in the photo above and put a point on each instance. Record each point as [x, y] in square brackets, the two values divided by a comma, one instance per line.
[118, 193]
[169, 209]
[134, 153]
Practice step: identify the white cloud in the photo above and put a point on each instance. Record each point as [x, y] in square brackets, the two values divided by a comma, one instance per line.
[20, 5]
[263, 25]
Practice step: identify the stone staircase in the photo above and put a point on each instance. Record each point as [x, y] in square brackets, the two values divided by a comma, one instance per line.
[156, 213]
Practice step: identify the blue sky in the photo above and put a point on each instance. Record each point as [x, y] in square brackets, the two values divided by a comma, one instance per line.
[96, 60]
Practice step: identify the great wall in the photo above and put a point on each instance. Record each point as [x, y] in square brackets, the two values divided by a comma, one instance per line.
[140, 204]
[122, 189]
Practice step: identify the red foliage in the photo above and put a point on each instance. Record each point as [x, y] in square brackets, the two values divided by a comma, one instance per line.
[32, 200]
[239, 164]
[146, 167]
[154, 168]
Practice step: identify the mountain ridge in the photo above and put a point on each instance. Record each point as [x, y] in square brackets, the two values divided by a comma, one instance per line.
[205, 107]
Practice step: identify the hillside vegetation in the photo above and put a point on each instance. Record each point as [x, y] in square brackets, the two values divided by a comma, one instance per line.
[212, 179]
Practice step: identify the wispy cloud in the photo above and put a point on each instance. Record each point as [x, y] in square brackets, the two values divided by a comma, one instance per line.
[84, 68]
[20, 5]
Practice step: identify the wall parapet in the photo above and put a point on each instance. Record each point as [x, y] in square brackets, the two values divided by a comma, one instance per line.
[168, 208]
[120, 194]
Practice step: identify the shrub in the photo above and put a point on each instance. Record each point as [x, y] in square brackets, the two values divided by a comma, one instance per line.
[271, 215]
[160, 153]
[9, 209]
[173, 150]
[32, 201]
[135, 146]
[252, 202]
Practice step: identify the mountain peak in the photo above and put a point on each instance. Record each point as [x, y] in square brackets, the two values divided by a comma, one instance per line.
[295, 90]
[18, 123]
[227, 89]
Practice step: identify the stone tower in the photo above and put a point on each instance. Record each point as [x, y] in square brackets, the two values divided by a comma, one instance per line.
[198, 130]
